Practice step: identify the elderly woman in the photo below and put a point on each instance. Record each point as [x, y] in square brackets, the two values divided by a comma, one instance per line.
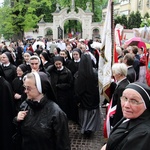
[43, 124]
[133, 130]
[114, 113]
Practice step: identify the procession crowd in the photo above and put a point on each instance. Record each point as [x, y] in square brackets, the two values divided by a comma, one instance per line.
[44, 83]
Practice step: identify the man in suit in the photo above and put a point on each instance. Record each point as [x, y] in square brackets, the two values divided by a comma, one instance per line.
[128, 60]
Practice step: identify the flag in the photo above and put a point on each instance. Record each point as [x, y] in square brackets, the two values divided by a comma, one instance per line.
[105, 59]
[115, 54]
[105, 62]
[111, 110]
[118, 38]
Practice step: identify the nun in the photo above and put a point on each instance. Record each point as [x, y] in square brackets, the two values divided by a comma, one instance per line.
[74, 63]
[61, 79]
[8, 66]
[87, 93]
[17, 85]
[133, 130]
[43, 124]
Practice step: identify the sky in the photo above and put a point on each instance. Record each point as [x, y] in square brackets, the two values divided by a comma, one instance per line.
[1, 1]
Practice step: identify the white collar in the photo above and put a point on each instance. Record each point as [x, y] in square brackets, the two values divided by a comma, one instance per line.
[6, 65]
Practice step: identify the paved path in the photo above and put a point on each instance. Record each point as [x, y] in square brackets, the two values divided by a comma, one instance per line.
[80, 142]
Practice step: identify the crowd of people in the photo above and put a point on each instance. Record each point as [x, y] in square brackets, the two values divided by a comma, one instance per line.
[43, 88]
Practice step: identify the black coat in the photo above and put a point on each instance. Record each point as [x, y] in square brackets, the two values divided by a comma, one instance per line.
[10, 72]
[7, 113]
[62, 82]
[131, 74]
[73, 66]
[45, 127]
[131, 135]
[17, 86]
[116, 101]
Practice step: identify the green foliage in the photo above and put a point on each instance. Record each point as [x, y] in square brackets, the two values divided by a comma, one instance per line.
[134, 20]
[124, 21]
[6, 27]
[137, 19]
[17, 16]
[131, 21]
[145, 21]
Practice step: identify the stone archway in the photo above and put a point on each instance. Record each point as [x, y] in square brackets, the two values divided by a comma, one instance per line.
[73, 31]
[60, 16]
[85, 18]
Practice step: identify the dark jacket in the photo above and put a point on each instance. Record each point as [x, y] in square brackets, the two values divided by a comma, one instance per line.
[73, 66]
[116, 101]
[45, 127]
[17, 86]
[62, 82]
[131, 74]
[10, 73]
[131, 135]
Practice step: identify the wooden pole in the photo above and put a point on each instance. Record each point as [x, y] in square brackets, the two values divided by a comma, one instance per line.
[112, 28]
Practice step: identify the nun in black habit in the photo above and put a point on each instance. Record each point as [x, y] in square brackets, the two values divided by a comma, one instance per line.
[7, 113]
[61, 80]
[74, 63]
[8, 66]
[17, 85]
[43, 125]
[86, 88]
[132, 132]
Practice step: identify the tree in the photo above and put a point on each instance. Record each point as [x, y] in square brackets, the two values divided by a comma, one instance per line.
[18, 16]
[124, 21]
[131, 21]
[6, 27]
[137, 20]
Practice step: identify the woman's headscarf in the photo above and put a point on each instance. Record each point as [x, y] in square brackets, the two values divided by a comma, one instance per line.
[43, 84]
[143, 90]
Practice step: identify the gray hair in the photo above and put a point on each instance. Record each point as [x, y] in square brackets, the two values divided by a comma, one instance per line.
[120, 68]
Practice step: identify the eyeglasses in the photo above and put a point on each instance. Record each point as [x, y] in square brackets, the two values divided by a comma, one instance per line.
[28, 88]
[131, 101]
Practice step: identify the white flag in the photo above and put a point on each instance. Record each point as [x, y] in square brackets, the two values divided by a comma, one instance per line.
[105, 59]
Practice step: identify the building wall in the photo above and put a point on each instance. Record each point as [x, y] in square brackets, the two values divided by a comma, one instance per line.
[127, 6]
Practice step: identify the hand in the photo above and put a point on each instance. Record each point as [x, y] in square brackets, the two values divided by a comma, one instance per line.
[21, 115]
[17, 96]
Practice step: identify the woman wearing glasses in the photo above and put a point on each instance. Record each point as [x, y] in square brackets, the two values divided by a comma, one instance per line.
[133, 130]
[43, 124]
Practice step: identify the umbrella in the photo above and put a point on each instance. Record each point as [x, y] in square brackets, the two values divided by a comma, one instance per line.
[40, 43]
[138, 41]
